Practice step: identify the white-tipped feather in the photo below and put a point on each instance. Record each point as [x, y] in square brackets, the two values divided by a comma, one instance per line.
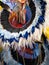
[6, 45]
[1, 43]
[15, 45]
[29, 42]
[36, 36]
[22, 42]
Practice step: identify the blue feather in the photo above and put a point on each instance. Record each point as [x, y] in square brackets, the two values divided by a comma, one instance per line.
[33, 29]
[41, 19]
[26, 35]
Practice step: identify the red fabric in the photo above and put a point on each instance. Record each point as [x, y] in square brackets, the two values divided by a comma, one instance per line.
[14, 24]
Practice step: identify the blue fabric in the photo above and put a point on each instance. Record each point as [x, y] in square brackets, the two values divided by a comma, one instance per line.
[26, 35]
[34, 55]
[37, 25]
[20, 35]
[28, 13]
[33, 29]
[46, 43]
[2, 37]
[11, 5]
[41, 19]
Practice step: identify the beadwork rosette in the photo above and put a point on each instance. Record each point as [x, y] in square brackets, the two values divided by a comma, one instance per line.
[22, 38]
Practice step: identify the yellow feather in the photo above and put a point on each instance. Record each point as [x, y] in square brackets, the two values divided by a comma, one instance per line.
[1, 8]
[47, 32]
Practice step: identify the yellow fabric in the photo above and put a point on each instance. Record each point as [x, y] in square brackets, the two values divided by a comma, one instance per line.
[1, 8]
[1, 49]
[47, 32]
